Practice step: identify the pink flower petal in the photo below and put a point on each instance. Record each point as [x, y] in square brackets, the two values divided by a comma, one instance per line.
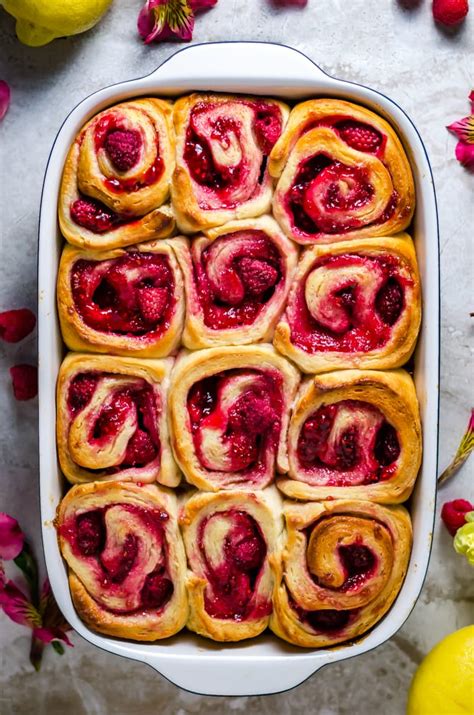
[290, 3]
[4, 98]
[471, 99]
[166, 20]
[465, 155]
[199, 5]
[24, 381]
[46, 635]
[17, 607]
[11, 537]
[464, 129]
[16, 324]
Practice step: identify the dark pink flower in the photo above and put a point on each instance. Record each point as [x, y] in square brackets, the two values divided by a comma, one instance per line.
[464, 130]
[11, 537]
[170, 19]
[17, 606]
[4, 98]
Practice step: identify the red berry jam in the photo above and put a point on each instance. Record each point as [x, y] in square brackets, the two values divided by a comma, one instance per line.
[248, 429]
[355, 319]
[133, 295]
[233, 581]
[234, 294]
[94, 215]
[360, 136]
[347, 443]
[157, 590]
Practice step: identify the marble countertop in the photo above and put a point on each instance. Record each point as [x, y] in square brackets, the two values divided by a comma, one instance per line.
[428, 72]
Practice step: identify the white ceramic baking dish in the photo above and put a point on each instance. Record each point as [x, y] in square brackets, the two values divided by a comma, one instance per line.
[264, 665]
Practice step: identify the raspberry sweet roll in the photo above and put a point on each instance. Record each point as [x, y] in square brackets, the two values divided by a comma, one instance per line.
[229, 416]
[117, 177]
[127, 301]
[222, 147]
[342, 172]
[353, 304]
[126, 559]
[233, 543]
[354, 434]
[237, 278]
[342, 568]
[112, 420]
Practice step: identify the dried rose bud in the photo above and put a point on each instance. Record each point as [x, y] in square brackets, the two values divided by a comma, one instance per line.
[454, 513]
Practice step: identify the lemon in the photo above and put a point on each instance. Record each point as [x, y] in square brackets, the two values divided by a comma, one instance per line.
[444, 682]
[40, 21]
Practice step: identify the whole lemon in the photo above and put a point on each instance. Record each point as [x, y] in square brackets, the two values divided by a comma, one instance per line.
[40, 21]
[444, 682]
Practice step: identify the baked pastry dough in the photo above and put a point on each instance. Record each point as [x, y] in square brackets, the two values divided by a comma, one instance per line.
[342, 568]
[232, 542]
[126, 559]
[222, 145]
[353, 304]
[117, 177]
[354, 434]
[123, 301]
[342, 172]
[237, 278]
[229, 415]
[112, 420]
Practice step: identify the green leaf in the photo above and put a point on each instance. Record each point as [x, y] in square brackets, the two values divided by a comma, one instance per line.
[58, 647]
[27, 564]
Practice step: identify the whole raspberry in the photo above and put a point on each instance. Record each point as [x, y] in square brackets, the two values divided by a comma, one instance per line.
[257, 275]
[93, 215]
[450, 12]
[16, 324]
[140, 449]
[359, 136]
[453, 514]
[123, 148]
[152, 303]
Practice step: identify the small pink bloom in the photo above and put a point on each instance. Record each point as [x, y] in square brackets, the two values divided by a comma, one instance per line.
[17, 606]
[464, 130]
[11, 537]
[170, 19]
[16, 324]
[24, 381]
[4, 98]
[54, 624]
[465, 154]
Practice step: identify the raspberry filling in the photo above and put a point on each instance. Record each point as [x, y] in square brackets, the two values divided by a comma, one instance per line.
[326, 621]
[347, 303]
[131, 295]
[124, 148]
[226, 131]
[87, 537]
[359, 562]
[347, 443]
[144, 444]
[94, 215]
[244, 430]
[234, 576]
[234, 290]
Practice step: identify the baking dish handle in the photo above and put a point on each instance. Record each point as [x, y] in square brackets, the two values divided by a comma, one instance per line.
[259, 62]
[242, 676]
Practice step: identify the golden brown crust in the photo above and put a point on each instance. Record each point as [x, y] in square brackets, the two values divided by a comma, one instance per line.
[316, 532]
[197, 334]
[389, 175]
[79, 336]
[193, 367]
[157, 374]
[85, 172]
[403, 334]
[265, 508]
[139, 625]
[393, 394]
[190, 216]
